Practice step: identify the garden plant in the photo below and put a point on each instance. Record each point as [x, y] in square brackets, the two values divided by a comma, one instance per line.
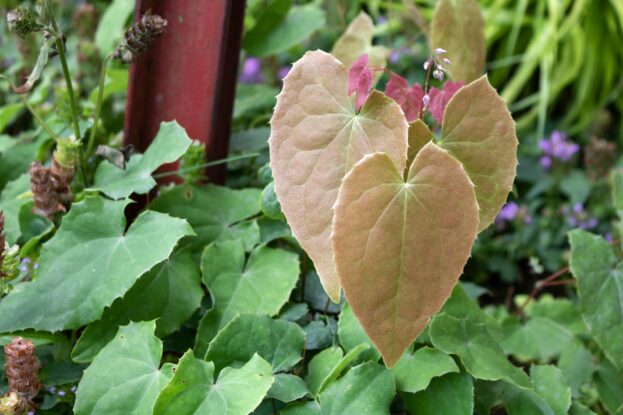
[422, 215]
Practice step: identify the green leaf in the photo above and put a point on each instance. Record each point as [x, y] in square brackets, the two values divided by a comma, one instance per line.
[462, 328]
[279, 342]
[351, 334]
[170, 144]
[112, 25]
[298, 24]
[261, 286]
[344, 362]
[415, 371]
[576, 363]
[214, 212]
[7, 115]
[417, 231]
[357, 41]
[452, 394]
[576, 186]
[458, 27]
[253, 99]
[521, 401]
[271, 15]
[309, 163]
[10, 204]
[193, 390]
[549, 382]
[367, 389]
[170, 292]
[15, 160]
[539, 339]
[270, 205]
[287, 388]
[302, 408]
[617, 191]
[321, 366]
[478, 131]
[124, 377]
[90, 261]
[609, 383]
[600, 287]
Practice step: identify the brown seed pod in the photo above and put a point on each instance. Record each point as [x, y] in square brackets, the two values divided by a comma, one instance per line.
[62, 178]
[44, 191]
[139, 37]
[22, 368]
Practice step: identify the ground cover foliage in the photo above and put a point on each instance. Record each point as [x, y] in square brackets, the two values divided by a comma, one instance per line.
[373, 163]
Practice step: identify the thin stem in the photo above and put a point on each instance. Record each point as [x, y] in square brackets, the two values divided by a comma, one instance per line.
[212, 163]
[34, 113]
[98, 107]
[539, 286]
[428, 71]
[60, 46]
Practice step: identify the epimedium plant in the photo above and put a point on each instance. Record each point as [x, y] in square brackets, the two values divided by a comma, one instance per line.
[206, 303]
[383, 210]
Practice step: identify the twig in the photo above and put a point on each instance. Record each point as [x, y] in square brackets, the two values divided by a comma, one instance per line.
[540, 285]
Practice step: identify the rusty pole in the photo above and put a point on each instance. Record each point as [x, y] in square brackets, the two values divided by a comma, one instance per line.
[189, 75]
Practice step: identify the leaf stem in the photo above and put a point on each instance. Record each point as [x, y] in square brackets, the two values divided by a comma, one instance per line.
[98, 107]
[34, 113]
[428, 71]
[204, 165]
[60, 46]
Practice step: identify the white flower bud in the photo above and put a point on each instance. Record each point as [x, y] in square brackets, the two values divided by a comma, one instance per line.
[447, 61]
[440, 51]
[437, 74]
[426, 101]
[426, 65]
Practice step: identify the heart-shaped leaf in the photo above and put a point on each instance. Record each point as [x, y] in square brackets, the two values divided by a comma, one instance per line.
[419, 136]
[479, 131]
[125, 377]
[600, 286]
[316, 138]
[458, 27]
[170, 143]
[91, 261]
[357, 41]
[399, 246]
[261, 286]
[170, 292]
[193, 390]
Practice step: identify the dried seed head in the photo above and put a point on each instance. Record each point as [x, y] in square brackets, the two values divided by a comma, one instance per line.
[22, 21]
[44, 191]
[139, 37]
[599, 157]
[61, 178]
[22, 368]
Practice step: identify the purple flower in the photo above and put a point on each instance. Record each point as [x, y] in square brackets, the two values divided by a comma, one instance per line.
[608, 237]
[508, 213]
[381, 19]
[396, 54]
[61, 393]
[546, 162]
[283, 71]
[74, 389]
[577, 217]
[252, 71]
[556, 148]
[52, 389]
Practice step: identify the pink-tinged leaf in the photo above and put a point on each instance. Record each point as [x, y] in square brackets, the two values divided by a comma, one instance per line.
[479, 132]
[316, 138]
[439, 98]
[360, 80]
[409, 99]
[400, 245]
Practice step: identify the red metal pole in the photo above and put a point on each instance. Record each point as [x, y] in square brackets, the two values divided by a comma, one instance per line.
[188, 75]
